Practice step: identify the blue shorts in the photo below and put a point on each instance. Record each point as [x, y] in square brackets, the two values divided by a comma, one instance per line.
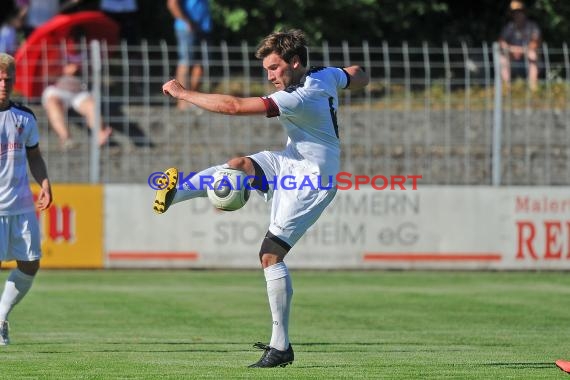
[519, 69]
[188, 45]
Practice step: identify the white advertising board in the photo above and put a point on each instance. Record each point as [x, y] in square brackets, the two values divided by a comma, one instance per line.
[429, 228]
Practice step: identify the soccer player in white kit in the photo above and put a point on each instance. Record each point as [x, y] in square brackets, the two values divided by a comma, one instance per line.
[19, 230]
[306, 104]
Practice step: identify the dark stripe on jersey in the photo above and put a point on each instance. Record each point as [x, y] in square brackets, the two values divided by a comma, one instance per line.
[347, 78]
[271, 109]
[32, 147]
[22, 107]
[333, 116]
[315, 69]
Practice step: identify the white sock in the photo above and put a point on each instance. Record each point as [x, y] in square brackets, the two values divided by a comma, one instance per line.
[16, 287]
[279, 292]
[197, 189]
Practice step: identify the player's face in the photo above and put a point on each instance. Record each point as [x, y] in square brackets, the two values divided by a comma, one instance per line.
[279, 72]
[6, 82]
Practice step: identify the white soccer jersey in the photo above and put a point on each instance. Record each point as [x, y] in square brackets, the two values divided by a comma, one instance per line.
[18, 130]
[308, 112]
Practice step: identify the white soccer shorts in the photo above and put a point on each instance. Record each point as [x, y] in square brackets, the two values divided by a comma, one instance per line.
[294, 208]
[20, 237]
[69, 99]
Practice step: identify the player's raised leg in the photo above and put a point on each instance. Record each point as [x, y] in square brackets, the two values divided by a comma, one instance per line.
[172, 189]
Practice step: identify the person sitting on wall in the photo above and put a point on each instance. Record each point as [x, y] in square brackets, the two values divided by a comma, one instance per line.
[67, 92]
[519, 42]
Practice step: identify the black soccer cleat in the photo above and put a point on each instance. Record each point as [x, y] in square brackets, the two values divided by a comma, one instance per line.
[272, 357]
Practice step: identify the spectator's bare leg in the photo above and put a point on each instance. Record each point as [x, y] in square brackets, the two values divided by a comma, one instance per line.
[55, 110]
[532, 70]
[505, 70]
[196, 77]
[87, 109]
[532, 75]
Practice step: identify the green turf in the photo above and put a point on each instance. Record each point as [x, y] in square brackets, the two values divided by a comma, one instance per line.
[345, 325]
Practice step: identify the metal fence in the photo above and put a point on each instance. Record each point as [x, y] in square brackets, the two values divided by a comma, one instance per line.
[437, 111]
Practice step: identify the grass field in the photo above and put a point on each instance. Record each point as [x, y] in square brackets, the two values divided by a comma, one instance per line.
[345, 325]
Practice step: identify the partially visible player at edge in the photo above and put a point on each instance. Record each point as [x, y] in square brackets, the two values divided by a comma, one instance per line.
[306, 104]
[563, 365]
[19, 230]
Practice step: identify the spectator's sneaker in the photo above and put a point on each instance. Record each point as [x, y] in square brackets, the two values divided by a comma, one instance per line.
[166, 186]
[4, 339]
[273, 357]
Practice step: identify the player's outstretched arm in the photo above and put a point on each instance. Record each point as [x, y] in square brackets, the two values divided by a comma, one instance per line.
[220, 103]
[358, 77]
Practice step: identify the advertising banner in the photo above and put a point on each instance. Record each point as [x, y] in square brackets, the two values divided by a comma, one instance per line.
[72, 228]
[428, 228]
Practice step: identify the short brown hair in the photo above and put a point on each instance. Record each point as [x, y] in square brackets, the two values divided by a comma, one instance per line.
[286, 44]
[7, 63]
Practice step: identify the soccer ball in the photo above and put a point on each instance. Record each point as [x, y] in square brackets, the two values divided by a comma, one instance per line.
[228, 191]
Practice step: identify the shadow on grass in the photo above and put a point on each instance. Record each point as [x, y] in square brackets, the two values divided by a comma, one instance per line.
[522, 365]
[227, 347]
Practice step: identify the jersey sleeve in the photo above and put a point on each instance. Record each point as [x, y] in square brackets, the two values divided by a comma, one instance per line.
[282, 102]
[329, 78]
[33, 137]
[535, 33]
[341, 76]
[505, 33]
[271, 108]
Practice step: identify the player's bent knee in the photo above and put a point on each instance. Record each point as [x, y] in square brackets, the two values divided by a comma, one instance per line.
[273, 250]
[269, 259]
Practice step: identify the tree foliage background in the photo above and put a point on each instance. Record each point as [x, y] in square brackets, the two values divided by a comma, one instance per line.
[394, 21]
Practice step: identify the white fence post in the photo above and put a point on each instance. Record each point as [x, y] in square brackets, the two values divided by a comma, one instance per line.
[497, 118]
[94, 165]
